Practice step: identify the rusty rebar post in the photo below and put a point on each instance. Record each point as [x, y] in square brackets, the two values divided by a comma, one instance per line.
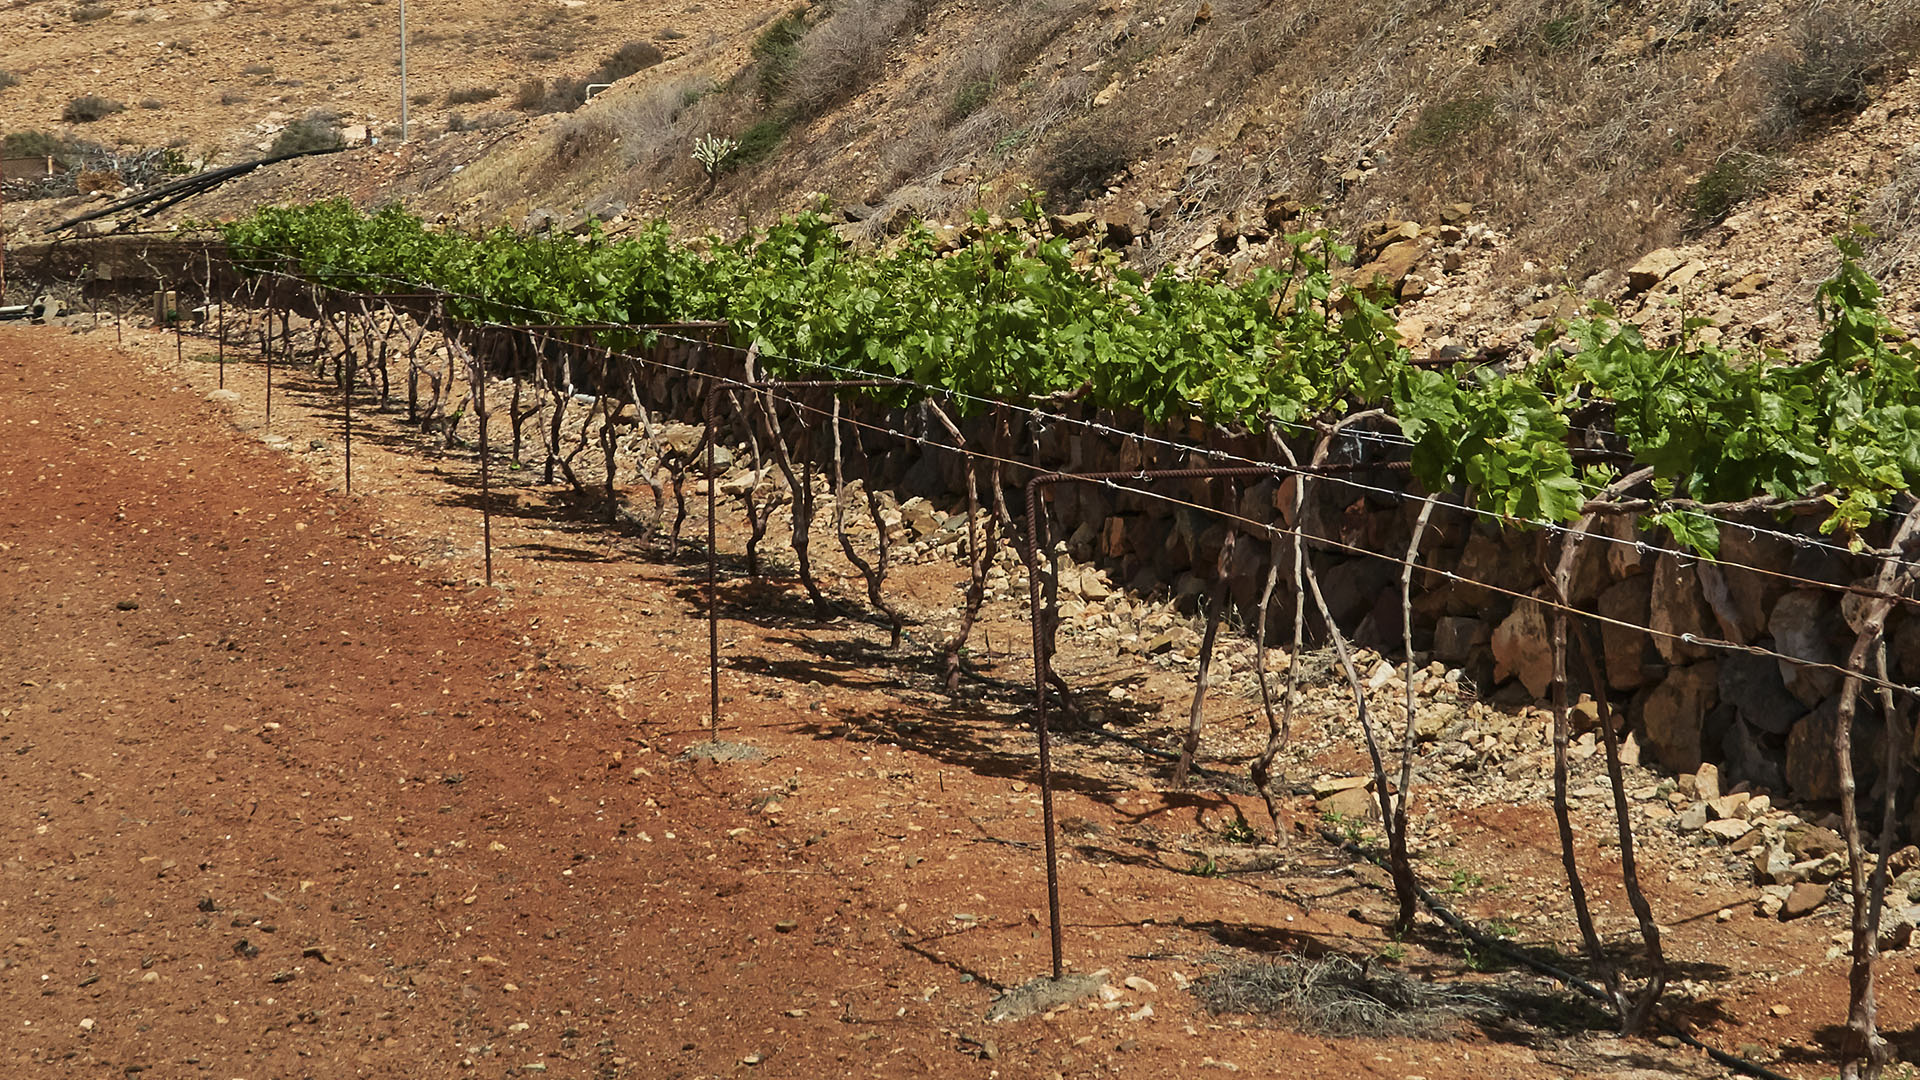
[1041, 616]
[346, 410]
[479, 370]
[1038, 620]
[712, 413]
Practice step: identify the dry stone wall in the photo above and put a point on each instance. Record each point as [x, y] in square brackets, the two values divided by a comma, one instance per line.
[1762, 720]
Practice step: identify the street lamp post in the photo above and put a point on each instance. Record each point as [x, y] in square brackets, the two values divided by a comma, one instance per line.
[403, 70]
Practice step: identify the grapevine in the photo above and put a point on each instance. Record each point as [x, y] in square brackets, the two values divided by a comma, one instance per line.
[1013, 319]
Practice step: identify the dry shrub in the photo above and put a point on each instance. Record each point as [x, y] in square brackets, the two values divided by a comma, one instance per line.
[318, 130]
[1837, 50]
[471, 95]
[580, 138]
[1590, 162]
[1335, 996]
[87, 108]
[8, 78]
[648, 120]
[566, 94]
[92, 180]
[629, 59]
[91, 12]
[1082, 160]
[486, 121]
[1893, 213]
[530, 94]
[847, 52]
[1737, 176]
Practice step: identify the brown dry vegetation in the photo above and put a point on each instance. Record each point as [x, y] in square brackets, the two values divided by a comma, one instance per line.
[1588, 132]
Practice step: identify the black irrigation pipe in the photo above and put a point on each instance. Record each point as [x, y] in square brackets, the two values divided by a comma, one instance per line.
[158, 199]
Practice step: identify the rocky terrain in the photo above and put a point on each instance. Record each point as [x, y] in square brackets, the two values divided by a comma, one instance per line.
[1188, 131]
[1494, 172]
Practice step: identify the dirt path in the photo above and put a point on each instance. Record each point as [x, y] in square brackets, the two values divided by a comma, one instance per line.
[294, 797]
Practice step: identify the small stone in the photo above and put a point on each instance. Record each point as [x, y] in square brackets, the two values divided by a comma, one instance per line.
[1693, 818]
[1653, 268]
[1781, 1010]
[1140, 985]
[1728, 829]
[1355, 802]
[1706, 783]
[1803, 900]
[1725, 914]
[786, 926]
[1337, 784]
[1812, 842]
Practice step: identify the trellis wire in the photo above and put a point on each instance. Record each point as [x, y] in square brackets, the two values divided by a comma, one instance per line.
[1852, 673]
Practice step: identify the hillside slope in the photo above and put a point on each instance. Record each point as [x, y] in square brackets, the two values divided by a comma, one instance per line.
[1538, 148]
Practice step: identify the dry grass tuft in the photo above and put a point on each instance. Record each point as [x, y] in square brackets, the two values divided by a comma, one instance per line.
[87, 108]
[1893, 213]
[471, 95]
[1837, 51]
[1334, 995]
[845, 53]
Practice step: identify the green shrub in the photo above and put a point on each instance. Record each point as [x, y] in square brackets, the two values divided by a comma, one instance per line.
[968, 99]
[87, 108]
[776, 52]
[1735, 178]
[315, 131]
[34, 144]
[758, 141]
[1445, 122]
